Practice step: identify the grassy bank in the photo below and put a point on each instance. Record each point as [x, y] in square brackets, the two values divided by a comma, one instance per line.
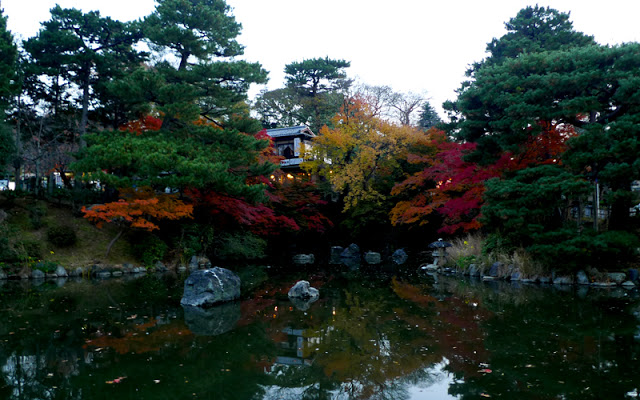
[29, 223]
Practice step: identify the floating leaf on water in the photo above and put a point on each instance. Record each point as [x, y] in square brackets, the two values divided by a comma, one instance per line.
[484, 395]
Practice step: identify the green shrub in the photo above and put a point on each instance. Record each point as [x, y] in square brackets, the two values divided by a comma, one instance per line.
[196, 239]
[62, 236]
[150, 250]
[36, 214]
[29, 248]
[46, 266]
[240, 246]
[7, 252]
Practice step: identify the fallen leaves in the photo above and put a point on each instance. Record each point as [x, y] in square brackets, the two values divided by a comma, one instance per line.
[116, 380]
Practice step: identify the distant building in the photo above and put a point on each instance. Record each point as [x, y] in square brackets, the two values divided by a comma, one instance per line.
[288, 143]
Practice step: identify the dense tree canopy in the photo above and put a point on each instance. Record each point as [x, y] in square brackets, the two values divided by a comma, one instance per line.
[314, 92]
[8, 89]
[81, 49]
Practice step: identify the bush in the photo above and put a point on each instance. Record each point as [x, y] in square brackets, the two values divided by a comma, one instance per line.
[29, 248]
[62, 236]
[196, 239]
[7, 252]
[240, 246]
[150, 250]
[466, 251]
[36, 215]
[46, 266]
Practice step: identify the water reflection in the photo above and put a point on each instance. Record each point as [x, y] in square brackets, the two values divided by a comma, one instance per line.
[367, 337]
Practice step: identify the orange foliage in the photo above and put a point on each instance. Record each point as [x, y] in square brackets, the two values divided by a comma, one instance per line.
[137, 208]
[146, 123]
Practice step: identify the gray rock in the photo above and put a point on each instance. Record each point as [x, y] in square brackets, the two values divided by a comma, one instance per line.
[544, 279]
[3, 276]
[372, 258]
[37, 274]
[494, 271]
[117, 273]
[628, 284]
[51, 275]
[199, 262]
[604, 284]
[489, 278]
[103, 274]
[304, 259]
[76, 272]
[351, 256]
[399, 257]
[429, 267]
[61, 272]
[160, 267]
[516, 275]
[210, 286]
[582, 278]
[617, 277]
[353, 251]
[302, 304]
[127, 268]
[212, 321]
[302, 290]
[182, 269]
[527, 280]
[563, 280]
[633, 275]
[334, 255]
[474, 270]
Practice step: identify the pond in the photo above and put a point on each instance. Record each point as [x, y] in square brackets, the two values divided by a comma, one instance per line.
[369, 336]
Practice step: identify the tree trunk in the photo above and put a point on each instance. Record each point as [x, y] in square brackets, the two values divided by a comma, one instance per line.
[619, 219]
[17, 160]
[85, 107]
[113, 241]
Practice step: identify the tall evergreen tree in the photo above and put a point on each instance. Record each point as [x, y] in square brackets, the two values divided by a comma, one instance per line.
[8, 88]
[196, 144]
[482, 114]
[206, 81]
[429, 117]
[81, 50]
[314, 92]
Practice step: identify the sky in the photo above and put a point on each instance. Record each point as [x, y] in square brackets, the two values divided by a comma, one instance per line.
[422, 46]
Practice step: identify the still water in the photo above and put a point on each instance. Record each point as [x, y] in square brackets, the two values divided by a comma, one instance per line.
[368, 337]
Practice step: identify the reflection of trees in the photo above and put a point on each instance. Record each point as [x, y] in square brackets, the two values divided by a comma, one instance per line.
[545, 344]
[365, 349]
[47, 352]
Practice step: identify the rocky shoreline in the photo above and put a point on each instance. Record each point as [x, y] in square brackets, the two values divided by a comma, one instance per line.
[102, 271]
[498, 271]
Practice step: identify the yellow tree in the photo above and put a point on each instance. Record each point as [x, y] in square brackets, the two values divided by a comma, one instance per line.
[359, 153]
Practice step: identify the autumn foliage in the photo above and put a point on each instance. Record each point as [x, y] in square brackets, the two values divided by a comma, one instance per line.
[139, 208]
[455, 187]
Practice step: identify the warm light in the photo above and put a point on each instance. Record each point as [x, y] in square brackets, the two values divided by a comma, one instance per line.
[333, 311]
[275, 308]
[289, 176]
[273, 177]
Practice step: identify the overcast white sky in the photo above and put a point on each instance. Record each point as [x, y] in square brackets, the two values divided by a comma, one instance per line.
[411, 45]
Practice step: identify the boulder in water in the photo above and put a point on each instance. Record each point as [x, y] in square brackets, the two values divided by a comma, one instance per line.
[210, 286]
